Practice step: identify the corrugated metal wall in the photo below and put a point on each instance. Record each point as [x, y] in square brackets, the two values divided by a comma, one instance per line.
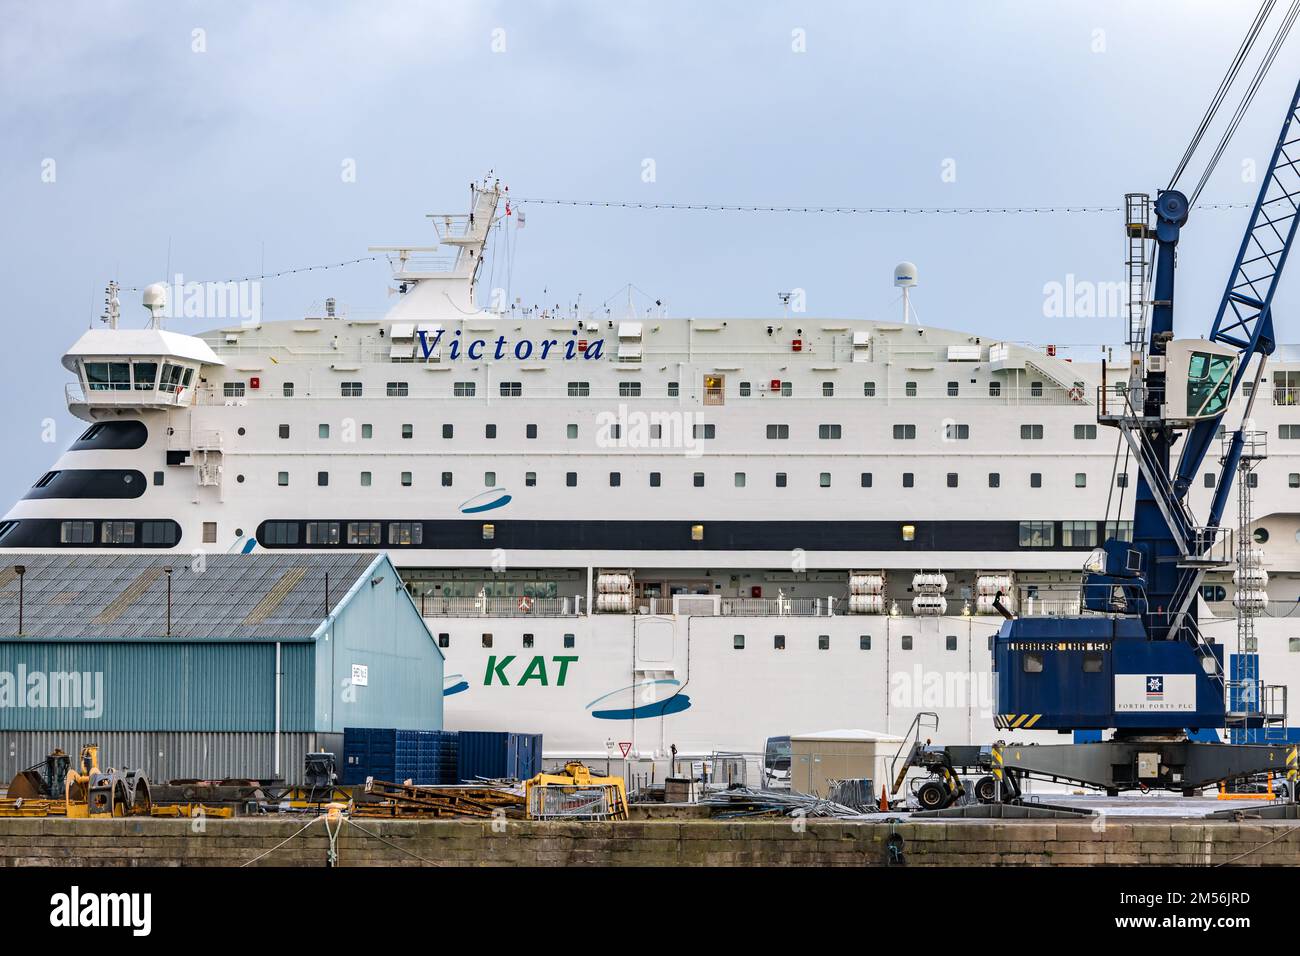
[168, 756]
[156, 686]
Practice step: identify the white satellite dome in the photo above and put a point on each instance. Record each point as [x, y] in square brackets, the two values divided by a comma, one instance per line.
[155, 297]
[905, 275]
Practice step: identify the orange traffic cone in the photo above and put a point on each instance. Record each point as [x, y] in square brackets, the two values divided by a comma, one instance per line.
[884, 799]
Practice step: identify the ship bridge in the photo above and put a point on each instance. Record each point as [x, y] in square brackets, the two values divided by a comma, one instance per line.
[130, 369]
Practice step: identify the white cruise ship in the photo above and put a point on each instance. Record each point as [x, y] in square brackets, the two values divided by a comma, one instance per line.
[650, 531]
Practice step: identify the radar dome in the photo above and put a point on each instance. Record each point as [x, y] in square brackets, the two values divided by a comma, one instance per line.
[905, 275]
[155, 297]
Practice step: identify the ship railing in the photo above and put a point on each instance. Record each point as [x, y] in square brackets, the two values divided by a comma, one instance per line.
[750, 607]
[1278, 609]
[518, 606]
[74, 393]
[1286, 395]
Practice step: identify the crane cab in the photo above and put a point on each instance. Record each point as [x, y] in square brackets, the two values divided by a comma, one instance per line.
[1198, 380]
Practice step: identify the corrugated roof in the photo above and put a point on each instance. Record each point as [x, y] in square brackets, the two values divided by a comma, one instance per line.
[263, 596]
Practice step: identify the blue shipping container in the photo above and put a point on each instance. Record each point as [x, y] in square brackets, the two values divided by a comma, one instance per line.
[424, 757]
[498, 754]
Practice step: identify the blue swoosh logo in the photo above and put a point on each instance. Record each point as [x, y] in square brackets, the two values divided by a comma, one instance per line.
[485, 501]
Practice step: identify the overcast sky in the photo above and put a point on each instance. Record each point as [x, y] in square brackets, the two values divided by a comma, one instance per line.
[223, 150]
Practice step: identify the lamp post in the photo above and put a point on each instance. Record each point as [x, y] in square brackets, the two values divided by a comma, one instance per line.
[21, 571]
[168, 572]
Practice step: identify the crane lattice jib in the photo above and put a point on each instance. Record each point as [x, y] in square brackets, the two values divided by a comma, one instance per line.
[1243, 320]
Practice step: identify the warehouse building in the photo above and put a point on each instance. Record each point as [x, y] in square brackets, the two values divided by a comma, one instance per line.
[228, 666]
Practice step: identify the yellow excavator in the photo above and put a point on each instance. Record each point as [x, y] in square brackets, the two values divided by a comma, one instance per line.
[576, 793]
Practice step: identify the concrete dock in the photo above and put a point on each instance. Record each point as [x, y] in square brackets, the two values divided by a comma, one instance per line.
[294, 841]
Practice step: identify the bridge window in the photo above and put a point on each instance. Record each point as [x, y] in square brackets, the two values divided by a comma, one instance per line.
[145, 375]
[108, 376]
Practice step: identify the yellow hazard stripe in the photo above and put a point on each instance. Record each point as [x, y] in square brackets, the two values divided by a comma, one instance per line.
[1033, 720]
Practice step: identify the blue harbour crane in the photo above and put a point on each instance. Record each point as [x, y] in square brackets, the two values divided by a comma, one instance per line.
[1136, 663]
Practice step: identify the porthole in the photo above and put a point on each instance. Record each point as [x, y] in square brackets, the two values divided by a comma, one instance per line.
[241, 429]
[1261, 535]
[239, 532]
[239, 478]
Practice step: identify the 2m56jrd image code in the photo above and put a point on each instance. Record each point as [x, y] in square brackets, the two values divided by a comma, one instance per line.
[1195, 898]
